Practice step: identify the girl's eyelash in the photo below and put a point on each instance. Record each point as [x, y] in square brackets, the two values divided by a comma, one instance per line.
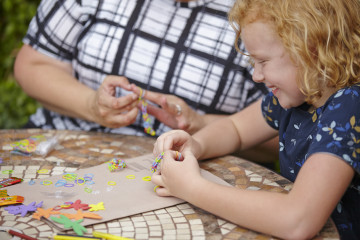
[251, 62]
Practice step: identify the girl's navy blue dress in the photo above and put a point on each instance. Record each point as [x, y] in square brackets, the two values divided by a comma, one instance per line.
[333, 128]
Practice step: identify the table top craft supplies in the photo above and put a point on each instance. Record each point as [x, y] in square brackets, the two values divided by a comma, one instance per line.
[66, 175]
[36, 144]
[93, 195]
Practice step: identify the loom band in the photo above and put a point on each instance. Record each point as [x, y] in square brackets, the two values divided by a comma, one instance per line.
[7, 171]
[130, 176]
[89, 175]
[141, 92]
[65, 206]
[46, 182]
[69, 185]
[37, 137]
[31, 182]
[30, 148]
[42, 171]
[77, 181]
[57, 208]
[89, 182]
[21, 148]
[70, 173]
[150, 131]
[160, 157]
[87, 178]
[178, 156]
[15, 144]
[146, 179]
[24, 142]
[144, 104]
[111, 183]
[60, 183]
[156, 188]
[112, 168]
[69, 178]
[88, 190]
[145, 116]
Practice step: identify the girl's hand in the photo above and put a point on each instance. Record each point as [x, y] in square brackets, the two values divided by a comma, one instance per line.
[173, 111]
[176, 178]
[110, 111]
[176, 140]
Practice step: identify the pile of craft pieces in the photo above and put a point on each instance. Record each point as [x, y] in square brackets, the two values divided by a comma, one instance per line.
[28, 145]
[5, 199]
[115, 164]
[64, 218]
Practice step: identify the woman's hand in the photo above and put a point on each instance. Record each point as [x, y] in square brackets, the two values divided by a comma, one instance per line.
[176, 178]
[173, 111]
[110, 111]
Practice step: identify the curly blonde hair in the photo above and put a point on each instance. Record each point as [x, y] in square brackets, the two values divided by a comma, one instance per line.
[321, 36]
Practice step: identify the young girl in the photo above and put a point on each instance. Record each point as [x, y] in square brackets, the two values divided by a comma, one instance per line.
[308, 53]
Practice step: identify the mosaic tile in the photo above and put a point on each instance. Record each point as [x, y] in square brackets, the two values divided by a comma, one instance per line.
[21, 226]
[168, 226]
[183, 221]
[179, 219]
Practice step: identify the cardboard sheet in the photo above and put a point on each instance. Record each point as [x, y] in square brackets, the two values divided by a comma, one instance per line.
[123, 192]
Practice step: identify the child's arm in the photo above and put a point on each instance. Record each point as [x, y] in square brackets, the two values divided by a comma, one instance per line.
[299, 214]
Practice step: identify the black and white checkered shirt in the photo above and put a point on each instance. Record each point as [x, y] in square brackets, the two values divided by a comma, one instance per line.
[184, 49]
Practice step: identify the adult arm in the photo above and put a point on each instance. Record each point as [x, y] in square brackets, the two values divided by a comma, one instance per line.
[50, 81]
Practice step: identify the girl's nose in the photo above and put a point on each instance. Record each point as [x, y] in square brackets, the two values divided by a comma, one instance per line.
[258, 76]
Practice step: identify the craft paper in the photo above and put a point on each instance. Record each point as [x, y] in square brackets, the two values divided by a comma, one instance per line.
[123, 192]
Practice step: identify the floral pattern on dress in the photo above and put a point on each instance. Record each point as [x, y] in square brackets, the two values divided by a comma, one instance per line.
[333, 128]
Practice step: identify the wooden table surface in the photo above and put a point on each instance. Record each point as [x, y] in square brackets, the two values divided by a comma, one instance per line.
[184, 221]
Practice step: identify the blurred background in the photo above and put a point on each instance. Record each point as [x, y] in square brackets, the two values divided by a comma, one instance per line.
[15, 105]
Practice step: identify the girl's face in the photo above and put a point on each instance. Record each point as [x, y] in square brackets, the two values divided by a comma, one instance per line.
[273, 65]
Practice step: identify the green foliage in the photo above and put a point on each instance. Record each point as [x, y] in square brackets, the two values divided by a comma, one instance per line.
[15, 106]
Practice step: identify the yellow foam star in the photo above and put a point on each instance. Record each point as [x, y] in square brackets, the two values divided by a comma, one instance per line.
[97, 207]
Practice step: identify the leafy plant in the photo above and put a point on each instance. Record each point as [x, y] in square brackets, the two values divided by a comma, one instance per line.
[15, 105]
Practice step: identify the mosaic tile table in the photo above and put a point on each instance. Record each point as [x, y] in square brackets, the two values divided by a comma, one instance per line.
[183, 221]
